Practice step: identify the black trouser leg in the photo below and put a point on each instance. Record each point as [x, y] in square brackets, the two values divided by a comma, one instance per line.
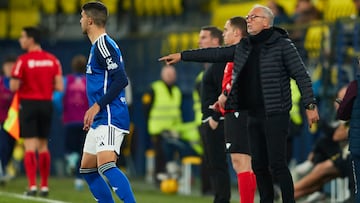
[268, 144]
[216, 163]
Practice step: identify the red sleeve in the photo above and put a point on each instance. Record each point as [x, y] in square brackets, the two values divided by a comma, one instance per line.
[59, 68]
[16, 71]
[345, 107]
[226, 82]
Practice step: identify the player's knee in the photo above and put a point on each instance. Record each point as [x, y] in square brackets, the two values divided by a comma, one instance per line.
[107, 166]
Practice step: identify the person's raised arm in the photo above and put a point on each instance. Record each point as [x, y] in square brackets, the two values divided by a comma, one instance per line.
[171, 58]
[212, 55]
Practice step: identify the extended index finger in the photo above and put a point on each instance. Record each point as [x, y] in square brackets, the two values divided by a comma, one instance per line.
[164, 58]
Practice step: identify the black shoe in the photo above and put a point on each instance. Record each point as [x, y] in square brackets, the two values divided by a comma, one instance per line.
[44, 193]
[30, 193]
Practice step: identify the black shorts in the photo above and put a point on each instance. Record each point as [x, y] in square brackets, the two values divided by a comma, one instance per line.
[35, 118]
[236, 132]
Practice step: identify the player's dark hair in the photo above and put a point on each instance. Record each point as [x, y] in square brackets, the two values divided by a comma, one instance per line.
[240, 23]
[97, 11]
[34, 33]
[214, 33]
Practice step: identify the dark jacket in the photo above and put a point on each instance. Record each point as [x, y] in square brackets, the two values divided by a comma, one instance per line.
[350, 109]
[279, 60]
[211, 89]
[354, 132]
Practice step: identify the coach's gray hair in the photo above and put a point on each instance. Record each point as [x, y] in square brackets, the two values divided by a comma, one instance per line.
[267, 12]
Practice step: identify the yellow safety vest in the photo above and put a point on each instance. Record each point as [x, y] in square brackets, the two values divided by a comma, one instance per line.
[295, 114]
[197, 101]
[165, 113]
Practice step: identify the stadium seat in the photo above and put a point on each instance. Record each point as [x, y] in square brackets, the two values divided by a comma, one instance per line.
[339, 190]
[112, 6]
[185, 182]
[21, 4]
[194, 40]
[158, 7]
[176, 6]
[69, 6]
[3, 23]
[223, 12]
[166, 5]
[49, 6]
[289, 6]
[320, 4]
[185, 41]
[316, 40]
[139, 7]
[148, 7]
[335, 9]
[126, 5]
[150, 165]
[173, 41]
[20, 18]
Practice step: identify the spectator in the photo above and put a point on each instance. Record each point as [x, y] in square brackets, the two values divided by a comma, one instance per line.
[280, 15]
[349, 110]
[162, 105]
[305, 13]
[75, 104]
[7, 141]
[332, 163]
[357, 6]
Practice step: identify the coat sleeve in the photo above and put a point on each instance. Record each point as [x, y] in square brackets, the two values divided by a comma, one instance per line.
[212, 55]
[297, 70]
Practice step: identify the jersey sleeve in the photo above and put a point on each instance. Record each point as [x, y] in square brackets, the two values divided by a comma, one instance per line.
[17, 69]
[226, 82]
[109, 57]
[58, 67]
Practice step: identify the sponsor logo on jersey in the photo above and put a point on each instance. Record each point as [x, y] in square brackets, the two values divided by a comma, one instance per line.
[40, 63]
[110, 64]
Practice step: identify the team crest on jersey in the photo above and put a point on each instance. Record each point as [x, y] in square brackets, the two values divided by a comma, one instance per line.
[110, 64]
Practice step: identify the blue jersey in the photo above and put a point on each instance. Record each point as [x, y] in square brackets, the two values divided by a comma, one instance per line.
[105, 83]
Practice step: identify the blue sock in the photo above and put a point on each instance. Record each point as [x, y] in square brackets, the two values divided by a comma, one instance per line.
[118, 181]
[98, 187]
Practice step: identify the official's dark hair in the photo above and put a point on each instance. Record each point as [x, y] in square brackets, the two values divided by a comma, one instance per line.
[34, 33]
[214, 33]
[240, 23]
[97, 11]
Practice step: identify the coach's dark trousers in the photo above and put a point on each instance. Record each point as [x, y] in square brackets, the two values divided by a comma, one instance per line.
[215, 161]
[268, 149]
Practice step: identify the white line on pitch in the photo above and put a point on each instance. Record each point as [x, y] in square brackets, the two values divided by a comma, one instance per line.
[30, 198]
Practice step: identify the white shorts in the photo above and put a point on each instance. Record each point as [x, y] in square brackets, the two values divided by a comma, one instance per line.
[103, 138]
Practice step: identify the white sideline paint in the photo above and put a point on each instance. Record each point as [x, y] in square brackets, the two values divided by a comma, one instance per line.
[39, 199]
